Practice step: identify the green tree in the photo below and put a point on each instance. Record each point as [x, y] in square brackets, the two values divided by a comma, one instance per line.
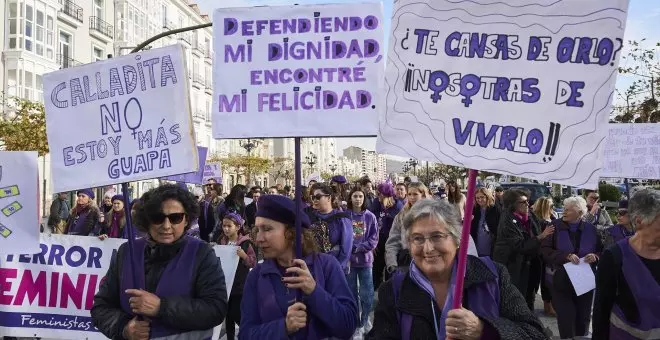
[23, 125]
[243, 165]
[281, 167]
[449, 172]
[326, 176]
[640, 99]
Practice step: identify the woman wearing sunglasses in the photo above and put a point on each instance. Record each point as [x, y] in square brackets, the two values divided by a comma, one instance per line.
[180, 290]
[622, 230]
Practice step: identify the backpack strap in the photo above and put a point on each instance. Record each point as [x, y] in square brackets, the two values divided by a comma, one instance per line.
[405, 319]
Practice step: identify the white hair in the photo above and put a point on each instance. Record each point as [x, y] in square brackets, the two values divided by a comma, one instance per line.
[578, 202]
[645, 205]
[438, 210]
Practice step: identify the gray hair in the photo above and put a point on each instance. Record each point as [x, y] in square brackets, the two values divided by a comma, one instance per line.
[436, 210]
[578, 202]
[645, 205]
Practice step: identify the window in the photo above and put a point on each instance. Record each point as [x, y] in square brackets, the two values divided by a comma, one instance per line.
[13, 25]
[98, 9]
[164, 11]
[29, 28]
[40, 33]
[29, 86]
[65, 50]
[97, 53]
[49, 37]
[39, 89]
[12, 84]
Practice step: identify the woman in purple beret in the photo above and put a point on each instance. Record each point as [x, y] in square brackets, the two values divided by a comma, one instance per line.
[271, 310]
[417, 304]
[115, 220]
[84, 216]
[180, 291]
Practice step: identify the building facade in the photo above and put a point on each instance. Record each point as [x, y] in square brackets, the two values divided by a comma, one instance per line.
[372, 164]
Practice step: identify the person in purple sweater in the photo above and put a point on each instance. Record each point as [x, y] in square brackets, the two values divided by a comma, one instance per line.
[365, 240]
[385, 209]
[332, 228]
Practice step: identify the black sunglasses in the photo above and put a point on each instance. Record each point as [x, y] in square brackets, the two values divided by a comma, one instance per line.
[174, 218]
[622, 212]
[318, 197]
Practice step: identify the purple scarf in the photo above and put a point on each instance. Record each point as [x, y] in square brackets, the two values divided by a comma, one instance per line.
[115, 225]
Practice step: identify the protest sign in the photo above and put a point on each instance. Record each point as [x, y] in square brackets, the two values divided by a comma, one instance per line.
[19, 201]
[193, 177]
[120, 120]
[50, 294]
[297, 71]
[632, 151]
[492, 85]
[213, 171]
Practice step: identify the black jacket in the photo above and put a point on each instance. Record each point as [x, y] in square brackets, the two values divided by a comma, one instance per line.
[206, 223]
[205, 310]
[516, 321]
[54, 218]
[250, 215]
[492, 220]
[517, 249]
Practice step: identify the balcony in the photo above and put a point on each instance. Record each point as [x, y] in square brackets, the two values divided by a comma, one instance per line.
[66, 62]
[198, 81]
[199, 114]
[198, 48]
[168, 25]
[70, 13]
[101, 29]
[208, 56]
[208, 88]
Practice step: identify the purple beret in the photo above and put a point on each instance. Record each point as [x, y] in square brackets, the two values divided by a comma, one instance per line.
[339, 179]
[386, 189]
[117, 197]
[88, 192]
[281, 209]
[236, 217]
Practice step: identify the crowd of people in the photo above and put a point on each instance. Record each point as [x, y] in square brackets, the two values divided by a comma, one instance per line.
[397, 239]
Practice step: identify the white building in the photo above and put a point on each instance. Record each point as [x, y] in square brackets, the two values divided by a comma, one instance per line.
[42, 36]
[318, 154]
[372, 164]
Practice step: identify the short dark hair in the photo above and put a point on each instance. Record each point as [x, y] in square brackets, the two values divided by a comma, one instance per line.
[152, 204]
[499, 189]
[511, 196]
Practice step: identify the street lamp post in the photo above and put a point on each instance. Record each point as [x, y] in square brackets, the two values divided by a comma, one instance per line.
[249, 145]
[333, 167]
[311, 160]
[413, 163]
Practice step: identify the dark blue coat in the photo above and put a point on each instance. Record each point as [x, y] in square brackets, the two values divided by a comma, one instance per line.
[331, 308]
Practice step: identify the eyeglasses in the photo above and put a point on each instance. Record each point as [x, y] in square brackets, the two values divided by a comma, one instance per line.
[525, 202]
[622, 212]
[420, 240]
[318, 197]
[175, 218]
[593, 197]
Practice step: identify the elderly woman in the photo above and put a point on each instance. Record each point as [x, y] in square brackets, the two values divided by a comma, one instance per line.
[518, 244]
[628, 277]
[417, 304]
[180, 290]
[271, 309]
[574, 241]
[115, 220]
[485, 219]
[84, 215]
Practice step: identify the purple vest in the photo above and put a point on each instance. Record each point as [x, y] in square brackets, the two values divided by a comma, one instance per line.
[176, 279]
[646, 293]
[587, 240]
[619, 232]
[483, 300]
[76, 227]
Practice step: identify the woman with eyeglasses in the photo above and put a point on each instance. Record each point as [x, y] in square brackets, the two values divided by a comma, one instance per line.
[332, 228]
[620, 231]
[518, 243]
[180, 290]
[417, 304]
[272, 310]
[573, 242]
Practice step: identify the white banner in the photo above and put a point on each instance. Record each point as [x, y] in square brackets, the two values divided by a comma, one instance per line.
[19, 202]
[297, 71]
[120, 120]
[511, 87]
[49, 294]
[632, 151]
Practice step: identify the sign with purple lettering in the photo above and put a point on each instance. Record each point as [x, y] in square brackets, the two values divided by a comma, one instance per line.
[120, 120]
[193, 177]
[298, 71]
[514, 87]
[632, 151]
[212, 173]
